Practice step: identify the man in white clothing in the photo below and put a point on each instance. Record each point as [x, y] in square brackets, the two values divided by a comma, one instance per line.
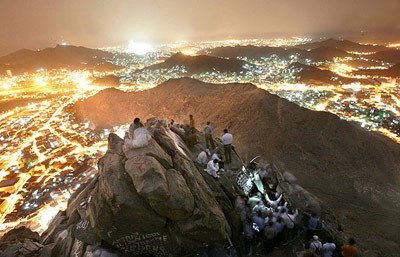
[315, 245]
[227, 140]
[212, 168]
[328, 248]
[203, 157]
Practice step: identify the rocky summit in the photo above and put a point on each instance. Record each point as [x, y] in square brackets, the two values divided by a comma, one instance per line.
[156, 201]
[354, 172]
[143, 202]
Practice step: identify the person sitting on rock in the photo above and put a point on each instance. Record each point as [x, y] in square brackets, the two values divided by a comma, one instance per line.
[136, 124]
[141, 136]
[212, 168]
[316, 245]
[204, 157]
[217, 155]
[349, 250]
[328, 248]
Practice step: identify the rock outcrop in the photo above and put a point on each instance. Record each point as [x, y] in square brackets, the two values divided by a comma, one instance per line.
[144, 202]
[352, 171]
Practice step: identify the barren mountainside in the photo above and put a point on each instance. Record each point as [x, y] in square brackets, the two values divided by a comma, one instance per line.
[354, 172]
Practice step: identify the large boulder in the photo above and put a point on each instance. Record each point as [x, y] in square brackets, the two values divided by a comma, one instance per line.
[147, 201]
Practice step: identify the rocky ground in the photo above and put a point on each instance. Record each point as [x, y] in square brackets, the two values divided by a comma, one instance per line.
[355, 173]
[146, 202]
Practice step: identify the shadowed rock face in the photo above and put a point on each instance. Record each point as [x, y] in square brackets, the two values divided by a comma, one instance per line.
[142, 197]
[144, 203]
[355, 173]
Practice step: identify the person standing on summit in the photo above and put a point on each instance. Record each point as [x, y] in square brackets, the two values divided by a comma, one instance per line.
[192, 125]
[208, 130]
[227, 140]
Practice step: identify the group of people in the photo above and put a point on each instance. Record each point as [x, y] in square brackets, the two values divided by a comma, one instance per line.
[214, 161]
[317, 249]
[269, 219]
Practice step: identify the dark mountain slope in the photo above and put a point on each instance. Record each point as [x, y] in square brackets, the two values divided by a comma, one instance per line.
[201, 64]
[345, 45]
[354, 172]
[73, 57]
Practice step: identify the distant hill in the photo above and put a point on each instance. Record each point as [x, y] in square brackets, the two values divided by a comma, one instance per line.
[201, 64]
[393, 72]
[319, 54]
[391, 56]
[69, 57]
[324, 53]
[313, 75]
[354, 172]
[345, 45]
[109, 80]
[251, 51]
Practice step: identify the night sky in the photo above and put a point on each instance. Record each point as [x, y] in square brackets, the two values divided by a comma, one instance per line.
[42, 23]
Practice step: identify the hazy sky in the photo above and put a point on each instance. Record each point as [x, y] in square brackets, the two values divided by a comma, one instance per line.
[42, 23]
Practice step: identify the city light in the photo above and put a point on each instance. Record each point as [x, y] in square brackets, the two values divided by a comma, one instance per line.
[139, 48]
[45, 154]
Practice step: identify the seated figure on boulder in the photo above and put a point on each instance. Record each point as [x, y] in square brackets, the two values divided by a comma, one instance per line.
[138, 135]
[203, 157]
[212, 168]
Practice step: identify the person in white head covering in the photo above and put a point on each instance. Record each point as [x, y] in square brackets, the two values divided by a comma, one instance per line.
[316, 245]
[204, 157]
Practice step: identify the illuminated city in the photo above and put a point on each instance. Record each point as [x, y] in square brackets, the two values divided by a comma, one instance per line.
[45, 155]
[42, 147]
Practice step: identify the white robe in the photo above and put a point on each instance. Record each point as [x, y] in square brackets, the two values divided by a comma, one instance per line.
[141, 138]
